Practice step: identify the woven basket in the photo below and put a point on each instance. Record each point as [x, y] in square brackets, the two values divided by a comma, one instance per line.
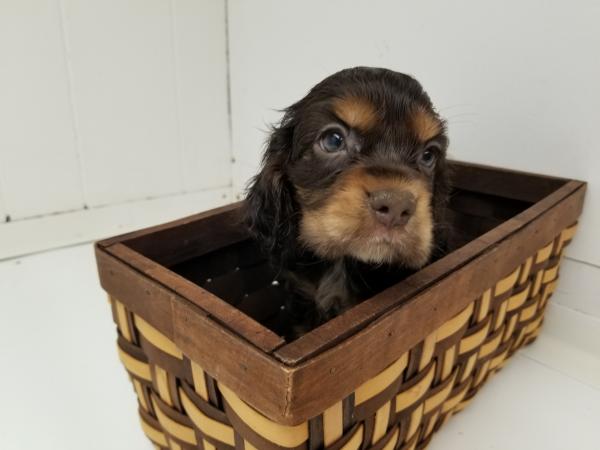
[384, 375]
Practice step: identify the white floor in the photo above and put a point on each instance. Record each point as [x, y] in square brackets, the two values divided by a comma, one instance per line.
[62, 387]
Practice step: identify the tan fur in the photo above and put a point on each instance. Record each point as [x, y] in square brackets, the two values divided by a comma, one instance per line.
[344, 224]
[424, 124]
[356, 112]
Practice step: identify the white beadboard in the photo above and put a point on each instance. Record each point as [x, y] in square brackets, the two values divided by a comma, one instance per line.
[39, 168]
[579, 287]
[3, 213]
[569, 343]
[242, 172]
[201, 70]
[60, 230]
[525, 406]
[515, 79]
[124, 88]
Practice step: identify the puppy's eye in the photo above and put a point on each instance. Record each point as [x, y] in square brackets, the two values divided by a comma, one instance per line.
[429, 156]
[333, 141]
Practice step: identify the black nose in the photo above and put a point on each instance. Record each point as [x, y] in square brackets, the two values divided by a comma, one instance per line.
[392, 207]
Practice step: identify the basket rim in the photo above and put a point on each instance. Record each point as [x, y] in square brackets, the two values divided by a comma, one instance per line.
[319, 357]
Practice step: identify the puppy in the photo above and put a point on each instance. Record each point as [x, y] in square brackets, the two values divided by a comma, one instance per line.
[352, 191]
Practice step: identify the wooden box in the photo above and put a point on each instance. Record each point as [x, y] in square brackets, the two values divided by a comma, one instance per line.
[197, 313]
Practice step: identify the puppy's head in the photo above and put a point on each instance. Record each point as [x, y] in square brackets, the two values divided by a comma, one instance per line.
[356, 168]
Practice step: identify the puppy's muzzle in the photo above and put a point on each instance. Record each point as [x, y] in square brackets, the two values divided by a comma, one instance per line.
[393, 208]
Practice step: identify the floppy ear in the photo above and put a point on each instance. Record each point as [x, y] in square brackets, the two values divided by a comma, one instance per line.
[271, 210]
[441, 196]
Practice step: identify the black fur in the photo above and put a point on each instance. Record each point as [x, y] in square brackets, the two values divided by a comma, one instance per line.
[321, 288]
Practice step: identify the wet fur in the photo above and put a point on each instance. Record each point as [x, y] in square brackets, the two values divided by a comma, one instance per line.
[305, 210]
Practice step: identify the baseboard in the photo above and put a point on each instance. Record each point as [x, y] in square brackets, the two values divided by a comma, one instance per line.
[568, 344]
[23, 237]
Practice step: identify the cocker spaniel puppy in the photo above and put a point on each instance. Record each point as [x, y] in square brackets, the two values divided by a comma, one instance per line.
[352, 191]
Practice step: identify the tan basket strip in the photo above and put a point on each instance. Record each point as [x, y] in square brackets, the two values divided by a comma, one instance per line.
[256, 436]
[351, 435]
[140, 369]
[282, 435]
[387, 441]
[154, 433]
[356, 440]
[416, 392]
[333, 424]
[157, 339]
[123, 321]
[382, 417]
[199, 381]
[173, 427]
[143, 398]
[378, 383]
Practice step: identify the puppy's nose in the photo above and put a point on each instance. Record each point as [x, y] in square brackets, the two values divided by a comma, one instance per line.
[392, 208]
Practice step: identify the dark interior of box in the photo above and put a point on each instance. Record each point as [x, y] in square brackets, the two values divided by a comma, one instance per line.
[240, 274]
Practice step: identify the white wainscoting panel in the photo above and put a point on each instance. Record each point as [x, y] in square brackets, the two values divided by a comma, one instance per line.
[39, 168]
[516, 80]
[124, 88]
[104, 104]
[60, 230]
[579, 288]
[2, 208]
[201, 70]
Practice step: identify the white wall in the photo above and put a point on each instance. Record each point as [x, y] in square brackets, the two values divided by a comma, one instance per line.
[105, 103]
[121, 106]
[517, 81]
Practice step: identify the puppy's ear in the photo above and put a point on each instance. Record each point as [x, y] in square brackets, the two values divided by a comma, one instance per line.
[271, 210]
[441, 196]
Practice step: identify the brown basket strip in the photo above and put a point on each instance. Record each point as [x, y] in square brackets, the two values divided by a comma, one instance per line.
[182, 407]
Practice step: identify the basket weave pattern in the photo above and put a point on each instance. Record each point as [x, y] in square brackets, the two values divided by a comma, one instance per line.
[182, 407]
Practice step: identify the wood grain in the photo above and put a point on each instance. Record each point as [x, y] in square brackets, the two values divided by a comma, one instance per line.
[506, 183]
[140, 295]
[559, 211]
[294, 382]
[184, 221]
[183, 239]
[256, 377]
[221, 311]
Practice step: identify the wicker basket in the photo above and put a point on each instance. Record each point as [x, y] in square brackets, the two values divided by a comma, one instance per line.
[195, 311]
